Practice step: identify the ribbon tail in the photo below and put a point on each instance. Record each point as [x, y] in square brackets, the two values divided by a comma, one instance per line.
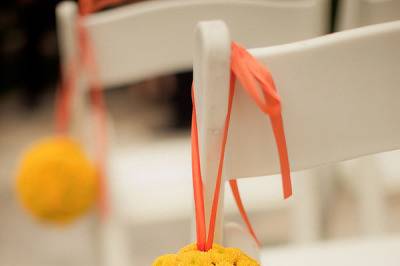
[63, 98]
[279, 133]
[62, 110]
[239, 203]
[197, 184]
[103, 202]
[90, 66]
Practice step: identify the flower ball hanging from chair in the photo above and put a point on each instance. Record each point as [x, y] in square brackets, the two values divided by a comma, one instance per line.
[217, 255]
[56, 182]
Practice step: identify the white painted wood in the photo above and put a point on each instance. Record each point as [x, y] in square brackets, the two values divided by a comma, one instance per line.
[307, 212]
[213, 49]
[67, 14]
[337, 104]
[158, 34]
[114, 243]
[364, 177]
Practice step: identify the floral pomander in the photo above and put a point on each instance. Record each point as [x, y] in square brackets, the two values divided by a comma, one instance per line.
[56, 182]
[216, 256]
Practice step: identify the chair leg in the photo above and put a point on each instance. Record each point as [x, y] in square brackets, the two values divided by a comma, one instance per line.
[370, 197]
[311, 195]
[112, 245]
[364, 176]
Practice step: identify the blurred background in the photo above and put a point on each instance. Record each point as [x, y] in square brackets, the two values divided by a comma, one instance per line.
[151, 159]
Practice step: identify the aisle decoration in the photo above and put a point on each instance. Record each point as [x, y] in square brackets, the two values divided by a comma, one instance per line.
[56, 180]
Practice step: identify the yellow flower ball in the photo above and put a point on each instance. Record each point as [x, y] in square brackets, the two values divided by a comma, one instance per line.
[217, 256]
[56, 182]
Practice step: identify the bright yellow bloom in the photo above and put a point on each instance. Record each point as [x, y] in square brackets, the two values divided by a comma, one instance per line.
[217, 256]
[56, 182]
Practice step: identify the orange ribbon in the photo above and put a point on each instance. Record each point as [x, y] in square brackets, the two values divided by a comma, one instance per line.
[252, 75]
[86, 61]
[90, 6]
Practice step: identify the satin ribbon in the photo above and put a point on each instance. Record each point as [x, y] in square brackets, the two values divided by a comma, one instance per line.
[90, 6]
[85, 61]
[253, 77]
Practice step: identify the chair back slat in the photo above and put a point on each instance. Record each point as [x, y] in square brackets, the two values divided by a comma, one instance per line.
[340, 95]
[142, 40]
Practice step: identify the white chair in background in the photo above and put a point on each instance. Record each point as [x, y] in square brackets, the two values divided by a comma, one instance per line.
[152, 38]
[339, 97]
[358, 13]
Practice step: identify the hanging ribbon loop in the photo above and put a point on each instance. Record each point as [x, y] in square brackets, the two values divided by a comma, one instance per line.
[85, 61]
[254, 77]
[250, 72]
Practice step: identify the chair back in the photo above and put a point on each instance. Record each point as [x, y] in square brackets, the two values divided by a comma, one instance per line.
[339, 98]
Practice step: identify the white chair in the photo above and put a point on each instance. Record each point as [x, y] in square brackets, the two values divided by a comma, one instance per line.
[142, 40]
[339, 95]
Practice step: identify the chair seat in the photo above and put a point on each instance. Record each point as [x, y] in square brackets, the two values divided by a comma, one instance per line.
[366, 252]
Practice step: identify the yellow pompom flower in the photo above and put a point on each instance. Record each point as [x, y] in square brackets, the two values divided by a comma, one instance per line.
[217, 256]
[56, 182]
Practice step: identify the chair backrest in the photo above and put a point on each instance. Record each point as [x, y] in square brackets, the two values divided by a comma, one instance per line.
[141, 40]
[339, 97]
[358, 13]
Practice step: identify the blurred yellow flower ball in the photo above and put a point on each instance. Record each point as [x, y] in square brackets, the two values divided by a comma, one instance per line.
[217, 256]
[56, 182]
